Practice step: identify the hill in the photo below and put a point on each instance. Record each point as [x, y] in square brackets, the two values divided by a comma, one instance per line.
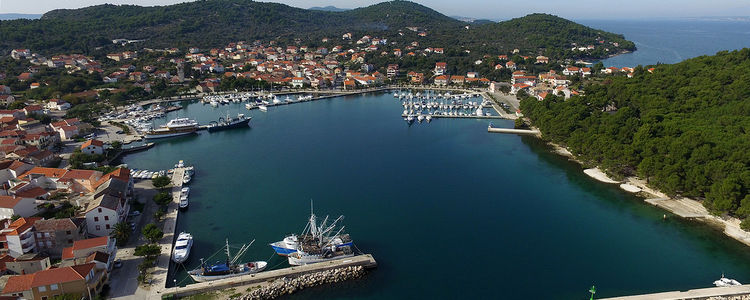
[217, 22]
[685, 128]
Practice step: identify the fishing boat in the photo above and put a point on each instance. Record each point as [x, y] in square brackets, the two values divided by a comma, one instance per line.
[229, 122]
[182, 247]
[175, 127]
[229, 268]
[317, 243]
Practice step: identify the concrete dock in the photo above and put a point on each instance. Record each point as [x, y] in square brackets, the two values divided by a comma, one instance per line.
[706, 293]
[513, 131]
[364, 260]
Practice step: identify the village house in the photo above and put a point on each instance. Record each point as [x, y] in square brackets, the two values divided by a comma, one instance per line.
[53, 235]
[80, 280]
[16, 206]
[442, 80]
[441, 68]
[57, 104]
[18, 237]
[542, 59]
[103, 212]
[92, 147]
[18, 54]
[24, 264]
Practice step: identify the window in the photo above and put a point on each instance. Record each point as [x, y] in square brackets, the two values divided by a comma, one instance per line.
[98, 227]
[43, 288]
[107, 226]
[106, 218]
[70, 241]
[67, 232]
[96, 219]
[100, 210]
[49, 244]
[44, 297]
[46, 234]
[53, 287]
[38, 234]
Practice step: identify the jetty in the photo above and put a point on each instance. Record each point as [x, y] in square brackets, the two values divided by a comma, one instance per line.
[513, 131]
[365, 260]
[697, 294]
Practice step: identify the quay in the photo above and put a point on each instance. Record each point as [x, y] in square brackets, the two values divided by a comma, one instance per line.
[697, 294]
[364, 260]
[460, 117]
[513, 131]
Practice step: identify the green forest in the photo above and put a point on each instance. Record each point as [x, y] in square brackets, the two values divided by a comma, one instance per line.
[215, 23]
[684, 128]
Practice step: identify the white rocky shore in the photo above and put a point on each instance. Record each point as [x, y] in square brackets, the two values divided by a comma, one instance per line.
[284, 285]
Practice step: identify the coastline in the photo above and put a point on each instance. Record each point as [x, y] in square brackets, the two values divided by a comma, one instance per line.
[683, 207]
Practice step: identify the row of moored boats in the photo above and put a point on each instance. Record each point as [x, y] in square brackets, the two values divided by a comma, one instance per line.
[318, 242]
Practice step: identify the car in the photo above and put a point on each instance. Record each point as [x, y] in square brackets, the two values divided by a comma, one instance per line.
[120, 132]
[118, 263]
[134, 213]
[132, 226]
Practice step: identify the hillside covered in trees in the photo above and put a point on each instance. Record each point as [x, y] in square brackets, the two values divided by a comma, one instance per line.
[217, 22]
[685, 128]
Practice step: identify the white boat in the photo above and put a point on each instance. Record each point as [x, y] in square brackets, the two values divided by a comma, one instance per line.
[428, 118]
[175, 127]
[263, 108]
[182, 247]
[723, 281]
[229, 268]
[249, 105]
[420, 118]
[184, 203]
[186, 179]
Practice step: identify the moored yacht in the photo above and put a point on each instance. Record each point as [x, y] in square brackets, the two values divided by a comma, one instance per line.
[182, 247]
[175, 127]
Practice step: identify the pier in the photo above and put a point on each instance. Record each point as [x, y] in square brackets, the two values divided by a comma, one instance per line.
[513, 131]
[698, 294]
[364, 260]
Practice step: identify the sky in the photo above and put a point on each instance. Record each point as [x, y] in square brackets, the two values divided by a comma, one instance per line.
[487, 9]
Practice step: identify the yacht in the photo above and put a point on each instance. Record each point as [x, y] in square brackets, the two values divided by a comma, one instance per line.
[175, 127]
[263, 108]
[182, 247]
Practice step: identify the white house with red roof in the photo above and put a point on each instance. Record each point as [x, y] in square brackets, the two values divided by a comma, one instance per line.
[57, 104]
[103, 212]
[441, 68]
[84, 248]
[13, 205]
[18, 237]
[92, 146]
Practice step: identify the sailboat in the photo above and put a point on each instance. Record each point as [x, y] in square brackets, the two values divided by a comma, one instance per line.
[228, 268]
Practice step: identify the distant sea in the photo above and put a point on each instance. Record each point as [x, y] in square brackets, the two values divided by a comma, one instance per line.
[672, 41]
[19, 16]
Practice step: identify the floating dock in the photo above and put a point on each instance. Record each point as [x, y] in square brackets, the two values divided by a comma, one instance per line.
[364, 260]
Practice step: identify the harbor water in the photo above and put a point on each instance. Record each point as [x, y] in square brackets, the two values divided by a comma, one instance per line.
[447, 209]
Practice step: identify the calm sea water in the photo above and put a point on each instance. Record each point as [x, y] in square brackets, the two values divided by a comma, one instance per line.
[447, 209]
[672, 41]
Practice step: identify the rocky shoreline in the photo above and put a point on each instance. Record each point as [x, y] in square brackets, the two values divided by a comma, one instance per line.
[285, 286]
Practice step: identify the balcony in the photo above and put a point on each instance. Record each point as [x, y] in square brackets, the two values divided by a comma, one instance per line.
[27, 237]
[28, 247]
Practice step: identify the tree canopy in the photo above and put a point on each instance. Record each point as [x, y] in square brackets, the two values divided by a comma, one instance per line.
[684, 128]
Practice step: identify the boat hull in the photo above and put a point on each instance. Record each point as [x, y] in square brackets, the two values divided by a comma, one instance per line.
[153, 136]
[243, 123]
[203, 278]
[281, 250]
[301, 260]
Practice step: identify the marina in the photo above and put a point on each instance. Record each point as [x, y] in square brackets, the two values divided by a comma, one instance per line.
[461, 146]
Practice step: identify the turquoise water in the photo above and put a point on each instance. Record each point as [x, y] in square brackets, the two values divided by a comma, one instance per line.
[672, 41]
[447, 209]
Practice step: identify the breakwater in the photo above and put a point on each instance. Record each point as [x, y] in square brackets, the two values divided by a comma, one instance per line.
[285, 285]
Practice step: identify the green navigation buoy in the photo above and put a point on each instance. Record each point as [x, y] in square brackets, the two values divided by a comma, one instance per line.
[592, 291]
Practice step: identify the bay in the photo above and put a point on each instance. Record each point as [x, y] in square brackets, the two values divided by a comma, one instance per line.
[675, 40]
[447, 209]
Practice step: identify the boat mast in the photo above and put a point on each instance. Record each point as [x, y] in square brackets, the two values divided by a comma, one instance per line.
[313, 226]
[229, 256]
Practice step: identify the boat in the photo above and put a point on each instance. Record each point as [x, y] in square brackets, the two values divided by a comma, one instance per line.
[317, 243]
[428, 118]
[186, 179]
[229, 268]
[263, 108]
[175, 127]
[184, 197]
[229, 122]
[723, 281]
[182, 247]
[249, 106]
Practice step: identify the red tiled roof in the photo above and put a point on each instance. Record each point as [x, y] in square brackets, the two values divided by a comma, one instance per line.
[67, 253]
[90, 243]
[97, 143]
[20, 283]
[9, 201]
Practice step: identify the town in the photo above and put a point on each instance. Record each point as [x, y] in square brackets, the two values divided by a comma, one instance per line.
[63, 205]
